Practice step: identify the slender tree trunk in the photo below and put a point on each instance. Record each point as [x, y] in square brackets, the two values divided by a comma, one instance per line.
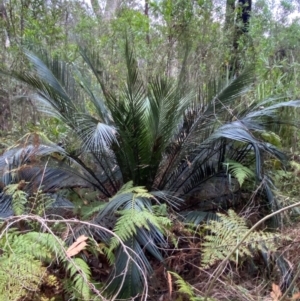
[146, 11]
[230, 16]
[244, 14]
[236, 22]
[4, 18]
[96, 8]
[111, 8]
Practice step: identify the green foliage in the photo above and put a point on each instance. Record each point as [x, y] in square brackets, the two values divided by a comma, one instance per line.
[184, 287]
[137, 191]
[20, 276]
[131, 219]
[239, 171]
[79, 273]
[187, 289]
[147, 129]
[40, 202]
[37, 203]
[225, 233]
[24, 260]
[272, 138]
[19, 198]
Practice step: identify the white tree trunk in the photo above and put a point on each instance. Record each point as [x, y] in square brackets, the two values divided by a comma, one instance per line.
[111, 8]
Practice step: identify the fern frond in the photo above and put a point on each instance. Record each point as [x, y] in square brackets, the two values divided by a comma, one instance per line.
[131, 219]
[226, 233]
[42, 244]
[39, 202]
[88, 211]
[127, 187]
[24, 256]
[80, 274]
[19, 198]
[187, 289]
[183, 286]
[239, 171]
[160, 210]
[138, 191]
[20, 275]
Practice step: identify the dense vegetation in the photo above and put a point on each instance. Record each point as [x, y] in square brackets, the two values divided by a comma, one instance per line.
[149, 151]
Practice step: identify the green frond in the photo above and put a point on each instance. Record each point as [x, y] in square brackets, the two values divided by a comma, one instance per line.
[132, 219]
[22, 203]
[40, 202]
[24, 257]
[43, 246]
[185, 288]
[126, 187]
[20, 276]
[160, 210]
[80, 274]
[87, 211]
[138, 191]
[271, 137]
[19, 198]
[226, 233]
[239, 171]
[22, 264]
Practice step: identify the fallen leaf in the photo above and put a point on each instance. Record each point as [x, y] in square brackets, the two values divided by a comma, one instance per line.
[77, 246]
[276, 292]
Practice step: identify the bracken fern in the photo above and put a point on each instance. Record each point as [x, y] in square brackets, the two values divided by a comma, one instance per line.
[225, 233]
[22, 265]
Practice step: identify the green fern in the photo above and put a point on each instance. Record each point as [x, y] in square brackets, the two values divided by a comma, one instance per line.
[136, 215]
[226, 233]
[19, 198]
[187, 289]
[39, 202]
[20, 275]
[26, 254]
[87, 211]
[138, 191]
[36, 204]
[131, 219]
[127, 187]
[239, 171]
[80, 274]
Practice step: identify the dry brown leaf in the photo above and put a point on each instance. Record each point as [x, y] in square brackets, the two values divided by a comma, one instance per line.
[77, 246]
[169, 283]
[276, 292]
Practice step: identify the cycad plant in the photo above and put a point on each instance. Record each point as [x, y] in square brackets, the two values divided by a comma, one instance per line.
[143, 145]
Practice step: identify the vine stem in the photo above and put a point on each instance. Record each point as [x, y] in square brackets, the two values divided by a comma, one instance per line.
[221, 266]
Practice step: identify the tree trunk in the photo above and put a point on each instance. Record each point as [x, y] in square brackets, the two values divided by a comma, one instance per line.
[96, 8]
[236, 22]
[230, 17]
[146, 11]
[111, 8]
[4, 17]
[244, 14]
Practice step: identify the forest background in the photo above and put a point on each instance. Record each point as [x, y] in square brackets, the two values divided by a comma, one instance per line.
[149, 150]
